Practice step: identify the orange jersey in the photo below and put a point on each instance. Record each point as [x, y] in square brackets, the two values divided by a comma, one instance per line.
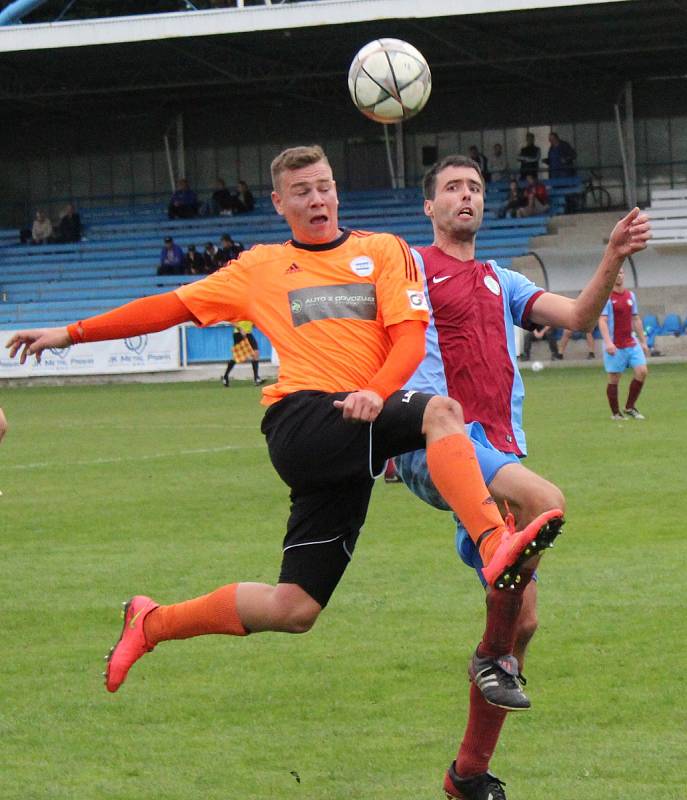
[325, 308]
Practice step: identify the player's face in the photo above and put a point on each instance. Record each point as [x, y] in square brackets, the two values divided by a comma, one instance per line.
[619, 284]
[307, 200]
[458, 205]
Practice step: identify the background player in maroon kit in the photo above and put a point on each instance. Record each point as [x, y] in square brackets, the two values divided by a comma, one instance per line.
[624, 346]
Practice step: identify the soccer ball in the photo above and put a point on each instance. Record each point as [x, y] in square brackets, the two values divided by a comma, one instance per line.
[389, 80]
[537, 366]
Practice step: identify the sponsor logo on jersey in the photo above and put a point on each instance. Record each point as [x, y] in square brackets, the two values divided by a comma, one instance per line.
[417, 300]
[441, 279]
[363, 266]
[293, 268]
[492, 284]
[342, 301]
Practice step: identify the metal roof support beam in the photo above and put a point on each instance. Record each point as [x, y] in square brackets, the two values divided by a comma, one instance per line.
[20, 8]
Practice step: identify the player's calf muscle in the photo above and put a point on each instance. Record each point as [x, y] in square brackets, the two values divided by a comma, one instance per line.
[527, 494]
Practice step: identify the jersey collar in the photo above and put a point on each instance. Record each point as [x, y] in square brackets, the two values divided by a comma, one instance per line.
[345, 233]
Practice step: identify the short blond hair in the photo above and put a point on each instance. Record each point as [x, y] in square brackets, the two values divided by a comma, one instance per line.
[295, 158]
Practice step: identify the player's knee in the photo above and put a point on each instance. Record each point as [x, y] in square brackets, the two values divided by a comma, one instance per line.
[545, 497]
[443, 415]
[298, 620]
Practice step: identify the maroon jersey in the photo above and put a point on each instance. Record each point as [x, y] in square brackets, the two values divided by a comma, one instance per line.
[620, 309]
[470, 342]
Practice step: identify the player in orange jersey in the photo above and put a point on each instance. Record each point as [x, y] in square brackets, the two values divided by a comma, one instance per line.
[347, 314]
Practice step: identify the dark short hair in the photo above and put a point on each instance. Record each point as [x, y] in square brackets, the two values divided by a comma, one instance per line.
[168, 240]
[429, 182]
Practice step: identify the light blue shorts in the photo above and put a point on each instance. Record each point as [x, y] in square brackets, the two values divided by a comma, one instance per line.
[412, 468]
[624, 357]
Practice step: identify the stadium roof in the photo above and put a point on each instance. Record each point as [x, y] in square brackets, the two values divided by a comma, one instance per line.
[301, 51]
[267, 17]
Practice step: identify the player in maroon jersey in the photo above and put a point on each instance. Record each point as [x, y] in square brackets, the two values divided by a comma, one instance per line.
[624, 346]
[471, 356]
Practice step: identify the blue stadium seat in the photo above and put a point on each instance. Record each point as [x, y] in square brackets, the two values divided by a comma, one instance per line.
[672, 325]
[652, 329]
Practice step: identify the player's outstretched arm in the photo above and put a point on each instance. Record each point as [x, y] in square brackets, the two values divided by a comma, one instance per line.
[630, 235]
[147, 315]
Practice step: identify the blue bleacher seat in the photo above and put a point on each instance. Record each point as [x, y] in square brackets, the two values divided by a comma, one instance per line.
[652, 328]
[672, 325]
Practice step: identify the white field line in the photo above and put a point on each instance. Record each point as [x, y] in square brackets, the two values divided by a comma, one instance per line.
[123, 459]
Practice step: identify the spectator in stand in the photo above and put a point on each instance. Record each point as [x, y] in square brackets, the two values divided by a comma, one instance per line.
[171, 258]
[516, 199]
[529, 157]
[499, 167]
[222, 201]
[561, 158]
[194, 263]
[184, 202]
[246, 201]
[69, 226]
[41, 230]
[228, 250]
[482, 160]
[210, 257]
[536, 196]
[567, 335]
[539, 332]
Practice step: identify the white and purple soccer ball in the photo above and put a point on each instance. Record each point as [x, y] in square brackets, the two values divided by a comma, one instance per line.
[389, 80]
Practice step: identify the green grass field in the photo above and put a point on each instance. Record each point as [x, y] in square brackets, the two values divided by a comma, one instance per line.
[167, 489]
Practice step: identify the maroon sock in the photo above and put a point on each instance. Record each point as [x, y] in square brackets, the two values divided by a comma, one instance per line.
[503, 609]
[481, 735]
[612, 395]
[633, 394]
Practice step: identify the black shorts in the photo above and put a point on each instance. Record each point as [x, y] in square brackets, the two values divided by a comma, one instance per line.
[329, 466]
[239, 337]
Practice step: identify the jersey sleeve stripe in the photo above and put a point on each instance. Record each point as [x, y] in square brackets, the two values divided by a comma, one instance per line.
[411, 267]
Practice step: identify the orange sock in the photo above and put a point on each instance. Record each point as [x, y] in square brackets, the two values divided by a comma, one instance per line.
[455, 471]
[212, 613]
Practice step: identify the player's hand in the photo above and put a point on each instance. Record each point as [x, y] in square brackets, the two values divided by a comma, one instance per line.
[631, 233]
[33, 342]
[645, 348]
[361, 406]
[611, 349]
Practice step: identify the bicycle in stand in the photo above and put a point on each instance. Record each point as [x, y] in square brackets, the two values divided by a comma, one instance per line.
[594, 196]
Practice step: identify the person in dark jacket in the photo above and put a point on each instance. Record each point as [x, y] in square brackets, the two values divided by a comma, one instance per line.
[171, 258]
[184, 202]
[69, 226]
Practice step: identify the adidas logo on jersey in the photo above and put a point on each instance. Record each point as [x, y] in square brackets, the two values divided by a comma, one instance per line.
[293, 268]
